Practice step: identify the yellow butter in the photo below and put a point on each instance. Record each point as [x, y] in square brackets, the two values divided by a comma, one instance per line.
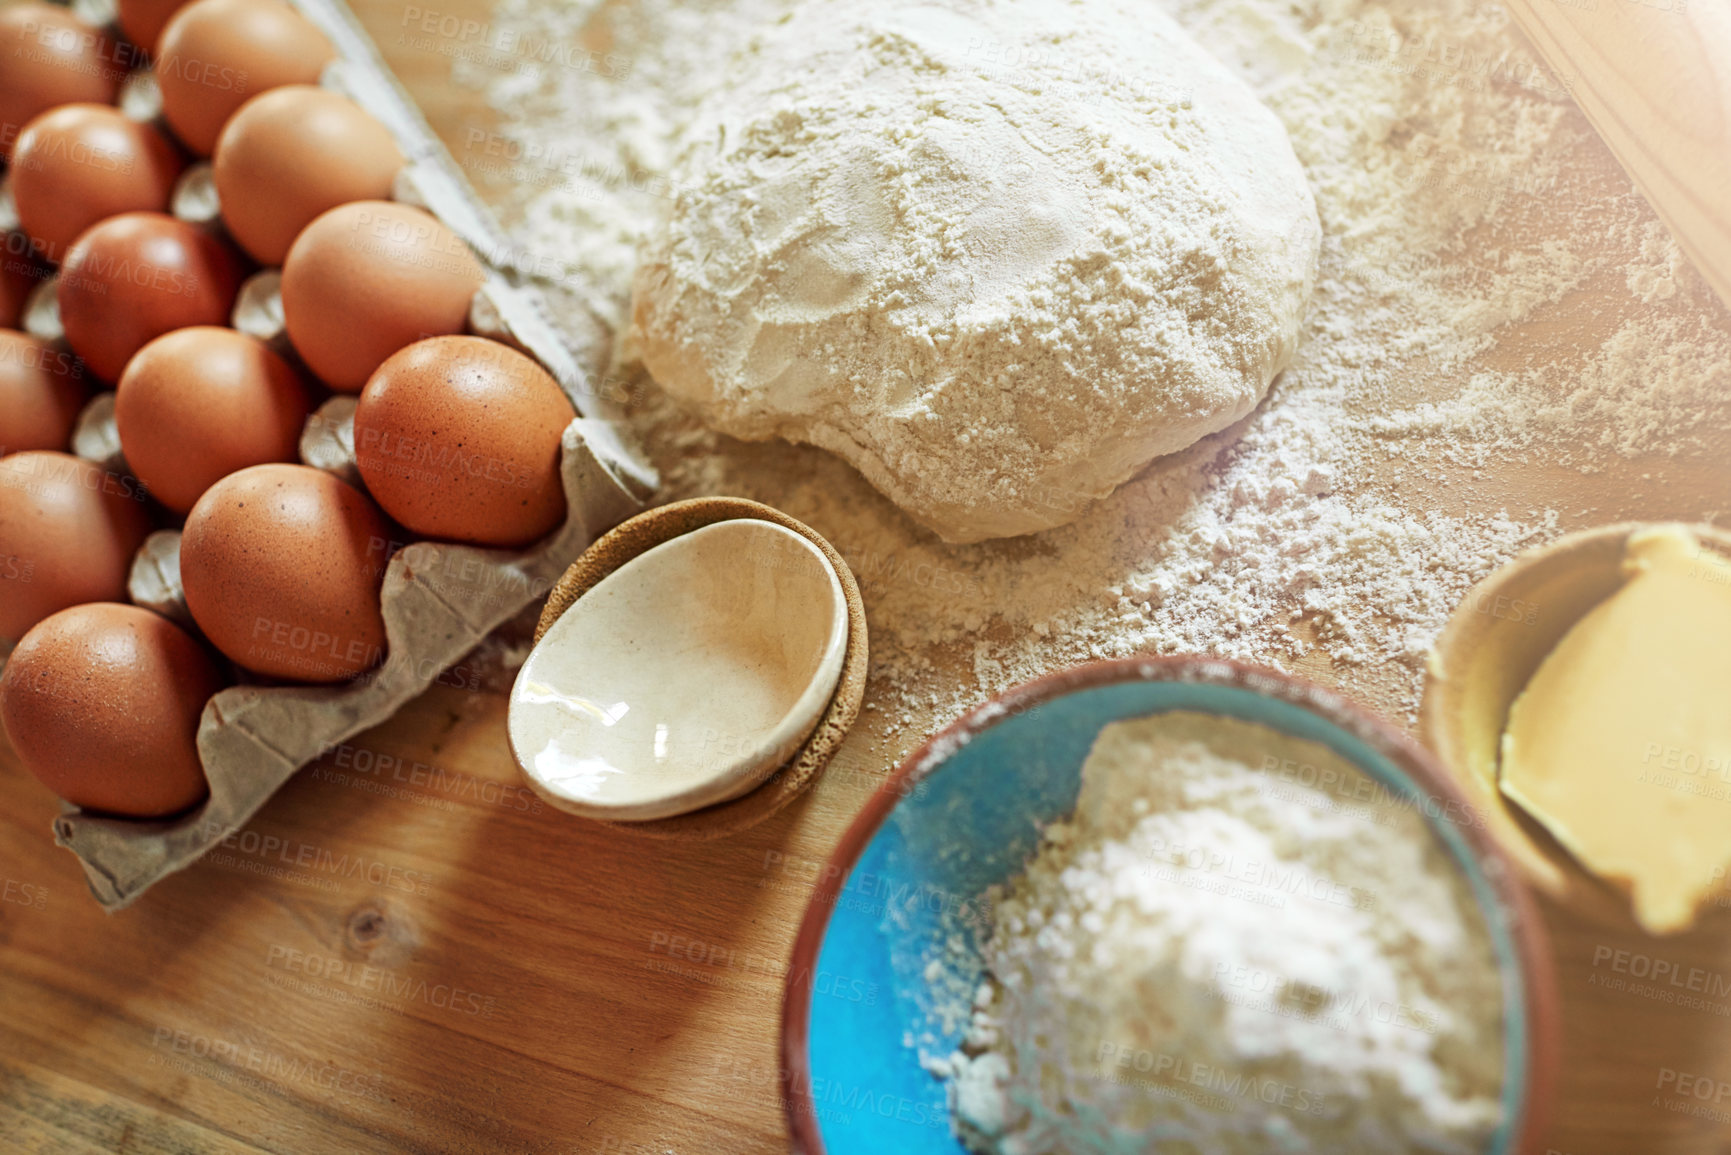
[1620, 745]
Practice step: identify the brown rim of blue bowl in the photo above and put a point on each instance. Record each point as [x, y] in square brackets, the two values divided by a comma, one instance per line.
[1526, 929]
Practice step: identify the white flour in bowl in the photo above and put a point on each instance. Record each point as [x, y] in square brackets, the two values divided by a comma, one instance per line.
[1498, 316]
[1214, 957]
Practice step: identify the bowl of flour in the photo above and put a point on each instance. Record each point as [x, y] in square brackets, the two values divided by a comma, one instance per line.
[1169, 905]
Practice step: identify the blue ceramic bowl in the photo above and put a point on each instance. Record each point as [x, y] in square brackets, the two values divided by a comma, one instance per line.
[964, 812]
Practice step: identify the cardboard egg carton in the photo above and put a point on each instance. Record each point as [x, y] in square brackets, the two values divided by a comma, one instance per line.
[439, 599]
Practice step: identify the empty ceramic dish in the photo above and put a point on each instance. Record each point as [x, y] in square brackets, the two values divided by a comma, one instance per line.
[683, 678]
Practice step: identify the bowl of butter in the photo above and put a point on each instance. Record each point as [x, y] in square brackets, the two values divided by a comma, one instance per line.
[1579, 696]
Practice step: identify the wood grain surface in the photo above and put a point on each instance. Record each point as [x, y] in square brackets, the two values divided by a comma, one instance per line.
[1655, 79]
[406, 952]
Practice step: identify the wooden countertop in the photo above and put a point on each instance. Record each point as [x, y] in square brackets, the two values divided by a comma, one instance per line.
[407, 952]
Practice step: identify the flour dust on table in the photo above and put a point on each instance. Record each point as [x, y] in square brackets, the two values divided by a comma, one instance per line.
[1464, 200]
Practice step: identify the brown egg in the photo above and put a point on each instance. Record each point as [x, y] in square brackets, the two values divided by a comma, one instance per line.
[458, 438]
[68, 530]
[49, 57]
[81, 163]
[215, 55]
[198, 404]
[137, 276]
[291, 154]
[102, 704]
[368, 278]
[42, 390]
[282, 566]
[144, 20]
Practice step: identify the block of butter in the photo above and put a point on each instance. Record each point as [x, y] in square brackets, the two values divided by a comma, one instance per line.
[1620, 745]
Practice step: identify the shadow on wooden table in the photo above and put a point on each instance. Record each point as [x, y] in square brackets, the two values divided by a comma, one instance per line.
[397, 955]
[1646, 1046]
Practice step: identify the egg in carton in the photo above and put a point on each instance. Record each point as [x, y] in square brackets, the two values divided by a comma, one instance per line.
[439, 599]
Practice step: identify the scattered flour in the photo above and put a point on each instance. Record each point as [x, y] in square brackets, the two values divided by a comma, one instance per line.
[1497, 312]
[1206, 958]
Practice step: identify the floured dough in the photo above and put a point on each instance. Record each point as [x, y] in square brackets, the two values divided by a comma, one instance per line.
[998, 254]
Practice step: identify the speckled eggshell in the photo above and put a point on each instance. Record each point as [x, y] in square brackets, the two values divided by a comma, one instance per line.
[68, 530]
[198, 404]
[215, 55]
[49, 57]
[137, 276]
[42, 390]
[367, 279]
[293, 153]
[82, 163]
[458, 438]
[282, 566]
[102, 702]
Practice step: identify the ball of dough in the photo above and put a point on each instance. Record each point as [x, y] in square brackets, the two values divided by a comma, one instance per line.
[998, 255]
